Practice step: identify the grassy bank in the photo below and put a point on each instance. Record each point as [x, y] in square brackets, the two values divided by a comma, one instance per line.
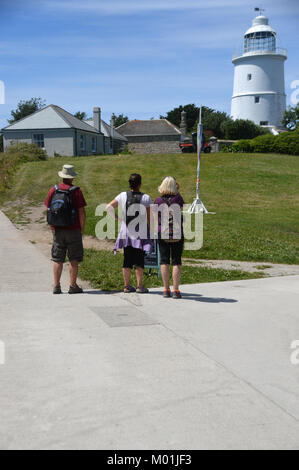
[104, 271]
[255, 196]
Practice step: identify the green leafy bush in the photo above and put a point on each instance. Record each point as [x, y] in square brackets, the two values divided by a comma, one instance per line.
[126, 151]
[241, 129]
[263, 143]
[227, 148]
[15, 156]
[243, 145]
[286, 142]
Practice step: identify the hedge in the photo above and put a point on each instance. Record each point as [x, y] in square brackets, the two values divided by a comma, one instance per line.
[286, 142]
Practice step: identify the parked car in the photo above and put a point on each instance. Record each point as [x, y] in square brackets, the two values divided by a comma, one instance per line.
[189, 144]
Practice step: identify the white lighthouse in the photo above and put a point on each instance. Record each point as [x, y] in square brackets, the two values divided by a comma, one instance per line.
[259, 92]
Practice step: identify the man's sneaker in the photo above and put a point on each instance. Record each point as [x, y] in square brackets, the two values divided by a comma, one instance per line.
[142, 290]
[75, 290]
[176, 294]
[57, 290]
[129, 289]
[166, 293]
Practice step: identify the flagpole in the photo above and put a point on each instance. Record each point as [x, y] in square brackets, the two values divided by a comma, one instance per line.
[198, 205]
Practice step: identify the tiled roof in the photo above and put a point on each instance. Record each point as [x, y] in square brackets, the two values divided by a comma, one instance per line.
[148, 127]
[51, 117]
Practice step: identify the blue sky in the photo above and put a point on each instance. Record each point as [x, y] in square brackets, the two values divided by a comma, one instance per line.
[137, 57]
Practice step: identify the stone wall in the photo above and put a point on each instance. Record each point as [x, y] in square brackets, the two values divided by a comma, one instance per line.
[154, 144]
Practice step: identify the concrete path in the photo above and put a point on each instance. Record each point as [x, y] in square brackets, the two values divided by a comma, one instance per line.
[99, 371]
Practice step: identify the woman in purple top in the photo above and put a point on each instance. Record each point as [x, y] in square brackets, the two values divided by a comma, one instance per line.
[170, 234]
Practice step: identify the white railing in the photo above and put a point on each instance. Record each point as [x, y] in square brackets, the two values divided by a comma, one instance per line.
[276, 51]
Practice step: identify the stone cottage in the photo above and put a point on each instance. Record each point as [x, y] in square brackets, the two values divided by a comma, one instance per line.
[151, 136]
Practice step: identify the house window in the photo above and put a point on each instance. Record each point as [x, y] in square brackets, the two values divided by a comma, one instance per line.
[39, 140]
[94, 144]
[249, 76]
[264, 123]
[82, 142]
[256, 99]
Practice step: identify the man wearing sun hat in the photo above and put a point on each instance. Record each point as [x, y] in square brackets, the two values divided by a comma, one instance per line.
[67, 240]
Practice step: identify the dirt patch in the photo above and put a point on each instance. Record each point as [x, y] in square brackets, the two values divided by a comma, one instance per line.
[268, 269]
[32, 223]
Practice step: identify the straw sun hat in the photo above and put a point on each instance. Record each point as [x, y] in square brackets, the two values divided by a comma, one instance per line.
[68, 172]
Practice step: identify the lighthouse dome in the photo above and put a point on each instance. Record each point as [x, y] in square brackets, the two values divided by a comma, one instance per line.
[260, 19]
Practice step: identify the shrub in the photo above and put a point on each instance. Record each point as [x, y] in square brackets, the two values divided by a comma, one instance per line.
[227, 148]
[241, 129]
[15, 156]
[25, 152]
[287, 142]
[243, 145]
[125, 151]
[263, 143]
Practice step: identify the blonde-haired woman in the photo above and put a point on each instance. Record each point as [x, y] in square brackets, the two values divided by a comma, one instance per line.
[170, 242]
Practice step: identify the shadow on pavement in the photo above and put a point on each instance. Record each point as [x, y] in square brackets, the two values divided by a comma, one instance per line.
[101, 292]
[201, 298]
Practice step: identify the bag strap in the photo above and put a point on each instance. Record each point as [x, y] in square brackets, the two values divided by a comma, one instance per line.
[167, 199]
[73, 188]
[130, 196]
[65, 191]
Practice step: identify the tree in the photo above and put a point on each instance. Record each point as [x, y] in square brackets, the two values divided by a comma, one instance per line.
[211, 119]
[174, 116]
[80, 115]
[120, 119]
[241, 129]
[291, 117]
[25, 108]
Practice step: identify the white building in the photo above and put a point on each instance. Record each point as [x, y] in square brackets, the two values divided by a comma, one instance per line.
[259, 91]
[57, 131]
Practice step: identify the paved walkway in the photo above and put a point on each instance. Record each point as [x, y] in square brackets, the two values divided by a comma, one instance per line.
[142, 372]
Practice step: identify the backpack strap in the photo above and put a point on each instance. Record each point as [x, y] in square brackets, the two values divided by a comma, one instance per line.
[56, 187]
[167, 199]
[73, 188]
[130, 196]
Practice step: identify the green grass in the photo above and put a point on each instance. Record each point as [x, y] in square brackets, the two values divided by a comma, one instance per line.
[103, 270]
[255, 196]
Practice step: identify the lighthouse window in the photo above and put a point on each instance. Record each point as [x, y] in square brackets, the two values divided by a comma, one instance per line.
[249, 76]
[259, 41]
[256, 99]
[263, 123]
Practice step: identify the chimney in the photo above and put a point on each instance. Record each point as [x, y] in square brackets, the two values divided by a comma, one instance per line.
[183, 125]
[97, 118]
[112, 121]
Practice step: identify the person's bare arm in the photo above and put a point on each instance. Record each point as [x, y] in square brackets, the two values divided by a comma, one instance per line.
[110, 208]
[82, 218]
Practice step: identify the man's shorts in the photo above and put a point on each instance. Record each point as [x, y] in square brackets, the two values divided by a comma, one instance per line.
[133, 257]
[67, 242]
[173, 250]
